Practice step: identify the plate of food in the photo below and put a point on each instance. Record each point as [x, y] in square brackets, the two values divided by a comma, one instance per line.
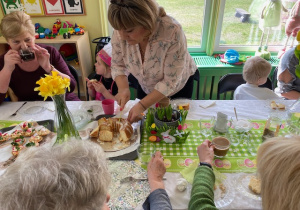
[249, 185]
[223, 193]
[15, 139]
[114, 134]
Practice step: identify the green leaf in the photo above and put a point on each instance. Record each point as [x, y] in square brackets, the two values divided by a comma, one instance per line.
[30, 144]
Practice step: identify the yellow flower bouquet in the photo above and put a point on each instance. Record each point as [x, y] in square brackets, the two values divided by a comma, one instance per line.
[54, 86]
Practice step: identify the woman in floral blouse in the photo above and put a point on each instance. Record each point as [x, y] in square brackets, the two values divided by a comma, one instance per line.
[152, 47]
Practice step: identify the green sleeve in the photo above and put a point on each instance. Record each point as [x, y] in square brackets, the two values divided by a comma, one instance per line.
[202, 195]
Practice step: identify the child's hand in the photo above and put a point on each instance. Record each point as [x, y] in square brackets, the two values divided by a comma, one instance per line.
[99, 87]
[90, 84]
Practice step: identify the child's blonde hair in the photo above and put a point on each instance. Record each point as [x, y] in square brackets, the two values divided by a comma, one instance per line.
[256, 68]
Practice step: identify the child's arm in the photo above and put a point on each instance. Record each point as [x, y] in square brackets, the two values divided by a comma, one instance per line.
[100, 88]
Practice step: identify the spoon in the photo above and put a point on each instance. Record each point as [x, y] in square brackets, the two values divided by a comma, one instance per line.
[235, 114]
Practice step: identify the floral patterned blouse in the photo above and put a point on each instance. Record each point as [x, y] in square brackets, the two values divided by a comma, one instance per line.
[167, 63]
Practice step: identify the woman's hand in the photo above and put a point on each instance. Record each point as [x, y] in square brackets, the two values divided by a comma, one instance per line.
[43, 57]
[156, 171]
[99, 87]
[122, 97]
[135, 113]
[206, 152]
[11, 58]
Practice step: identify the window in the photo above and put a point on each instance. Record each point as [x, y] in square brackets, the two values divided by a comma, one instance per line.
[190, 14]
[240, 25]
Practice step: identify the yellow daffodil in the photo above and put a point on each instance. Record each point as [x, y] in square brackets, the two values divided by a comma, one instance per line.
[52, 85]
[180, 108]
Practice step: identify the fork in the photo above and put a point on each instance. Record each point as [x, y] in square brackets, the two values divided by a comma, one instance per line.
[131, 178]
[14, 114]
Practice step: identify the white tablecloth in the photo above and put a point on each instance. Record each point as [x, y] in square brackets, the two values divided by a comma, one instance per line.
[179, 200]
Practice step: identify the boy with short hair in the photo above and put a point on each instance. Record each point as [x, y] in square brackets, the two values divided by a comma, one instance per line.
[255, 72]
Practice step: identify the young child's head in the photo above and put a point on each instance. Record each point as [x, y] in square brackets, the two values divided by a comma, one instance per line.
[256, 70]
[103, 61]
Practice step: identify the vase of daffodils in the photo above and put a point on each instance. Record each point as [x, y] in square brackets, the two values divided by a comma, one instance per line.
[54, 86]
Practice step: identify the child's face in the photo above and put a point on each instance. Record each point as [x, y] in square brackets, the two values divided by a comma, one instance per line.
[100, 66]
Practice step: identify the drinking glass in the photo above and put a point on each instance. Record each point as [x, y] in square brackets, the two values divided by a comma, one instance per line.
[234, 138]
[145, 152]
[205, 127]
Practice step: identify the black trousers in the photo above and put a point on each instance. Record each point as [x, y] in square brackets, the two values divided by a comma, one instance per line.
[185, 92]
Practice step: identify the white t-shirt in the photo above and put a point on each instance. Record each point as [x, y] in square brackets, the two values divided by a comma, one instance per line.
[253, 92]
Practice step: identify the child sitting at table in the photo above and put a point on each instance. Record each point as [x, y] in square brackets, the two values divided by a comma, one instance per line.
[106, 87]
[255, 72]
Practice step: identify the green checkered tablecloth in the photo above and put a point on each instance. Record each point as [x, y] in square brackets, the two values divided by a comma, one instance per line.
[7, 123]
[240, 158]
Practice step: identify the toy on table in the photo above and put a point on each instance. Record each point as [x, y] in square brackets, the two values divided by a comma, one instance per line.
[270, 20]
[64, 30]
[292, 26]
[163, 131]
[78, 29]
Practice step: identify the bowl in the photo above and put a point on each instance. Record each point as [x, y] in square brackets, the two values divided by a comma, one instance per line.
[242, 125]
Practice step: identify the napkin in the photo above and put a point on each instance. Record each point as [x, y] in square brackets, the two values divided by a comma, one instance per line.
[189, 172]
[205, 104]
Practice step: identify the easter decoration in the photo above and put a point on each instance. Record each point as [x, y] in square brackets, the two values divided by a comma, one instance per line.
[166, 123]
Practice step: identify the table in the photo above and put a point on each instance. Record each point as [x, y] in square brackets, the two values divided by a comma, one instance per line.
[179, 200]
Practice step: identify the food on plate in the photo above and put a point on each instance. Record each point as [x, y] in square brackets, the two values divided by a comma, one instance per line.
[108, 128]
[25, 125]
[29, 132]
[18, 141]
[255, 185]
[36, 139]
[43, 131]
[185, 106]
[4, 137]
[95, 133]
[16, 150]
[274, 105]
[17, 133]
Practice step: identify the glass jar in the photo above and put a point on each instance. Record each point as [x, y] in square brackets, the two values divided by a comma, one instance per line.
[293, 120]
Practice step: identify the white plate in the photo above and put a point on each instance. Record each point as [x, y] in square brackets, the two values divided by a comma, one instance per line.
[81, 118]
[94, 107]
[242, 185]
[32, 110]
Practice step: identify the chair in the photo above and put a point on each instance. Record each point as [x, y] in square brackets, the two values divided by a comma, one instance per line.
[197, 79]
[229, 82]
[274, 78]
[75, 75]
